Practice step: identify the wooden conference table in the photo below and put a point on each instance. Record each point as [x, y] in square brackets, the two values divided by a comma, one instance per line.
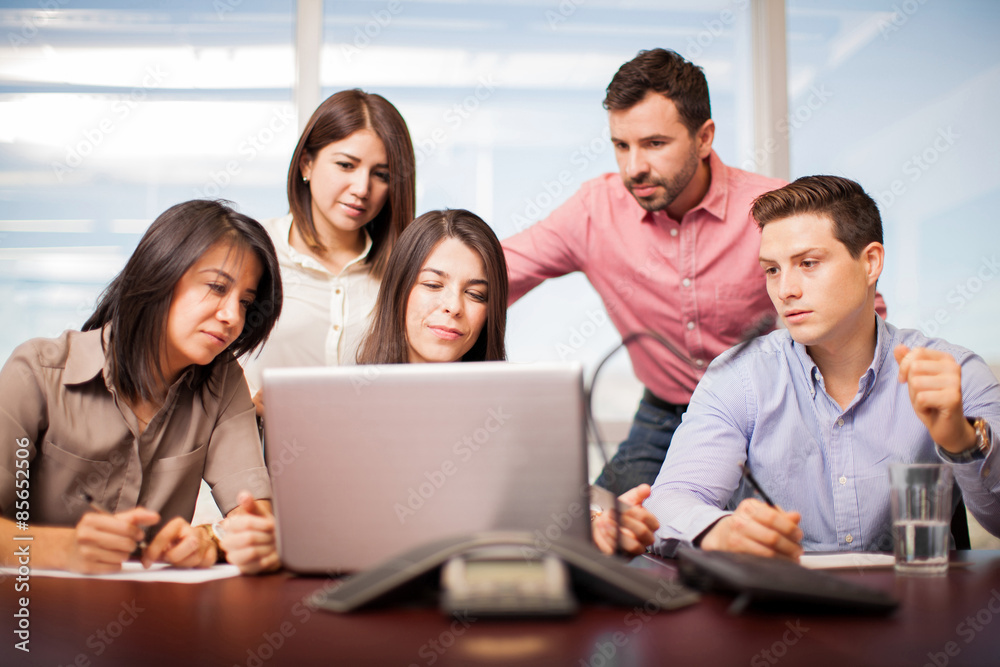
[257, 621]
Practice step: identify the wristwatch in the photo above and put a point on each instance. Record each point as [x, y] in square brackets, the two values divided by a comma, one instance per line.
[983, 434]
[217, 531]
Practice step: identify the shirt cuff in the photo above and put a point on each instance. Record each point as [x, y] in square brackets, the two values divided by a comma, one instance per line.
[972, 455]
[684, 531]
[973, 471]
[254, 480]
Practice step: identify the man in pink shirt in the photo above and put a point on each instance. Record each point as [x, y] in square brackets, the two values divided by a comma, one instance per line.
[668, 243]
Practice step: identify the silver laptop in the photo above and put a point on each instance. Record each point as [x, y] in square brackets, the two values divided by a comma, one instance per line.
[367, 462]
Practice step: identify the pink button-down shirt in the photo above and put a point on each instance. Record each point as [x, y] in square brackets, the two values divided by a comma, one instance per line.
[697, 282]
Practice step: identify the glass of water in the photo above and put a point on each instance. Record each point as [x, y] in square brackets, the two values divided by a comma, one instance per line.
[920, 494]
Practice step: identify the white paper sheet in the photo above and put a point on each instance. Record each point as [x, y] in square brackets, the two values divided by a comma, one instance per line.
[847, 559]
[133, 571]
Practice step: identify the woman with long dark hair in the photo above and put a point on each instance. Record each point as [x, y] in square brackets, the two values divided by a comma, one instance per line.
[351, 188]
[444, 299]
[109, 431]
[444, 295]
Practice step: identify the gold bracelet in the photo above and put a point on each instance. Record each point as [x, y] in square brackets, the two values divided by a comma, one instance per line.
[214, 535]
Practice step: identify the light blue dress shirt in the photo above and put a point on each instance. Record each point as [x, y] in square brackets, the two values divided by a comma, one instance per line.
[767, 405]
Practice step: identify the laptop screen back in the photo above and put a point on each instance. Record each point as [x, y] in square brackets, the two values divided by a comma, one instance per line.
[367, 462]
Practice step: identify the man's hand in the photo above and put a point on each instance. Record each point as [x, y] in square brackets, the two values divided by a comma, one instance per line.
[100, 542]
[182, 545]
[637, 524]
[757, 528]
[934, 380]
[249, 540]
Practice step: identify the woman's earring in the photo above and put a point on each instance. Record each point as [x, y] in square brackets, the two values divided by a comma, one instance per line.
[305, 179]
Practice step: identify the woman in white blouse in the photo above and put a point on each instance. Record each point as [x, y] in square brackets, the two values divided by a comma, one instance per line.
[350, 195]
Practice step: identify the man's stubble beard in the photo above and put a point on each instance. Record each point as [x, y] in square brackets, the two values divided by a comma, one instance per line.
[672, 187]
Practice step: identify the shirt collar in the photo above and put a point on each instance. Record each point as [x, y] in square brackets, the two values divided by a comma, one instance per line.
[809, 367]
[302, 259]
[364, 253]
[883, 345]
[884, 335]
[715, 200]
[85, 359]
[282, 229]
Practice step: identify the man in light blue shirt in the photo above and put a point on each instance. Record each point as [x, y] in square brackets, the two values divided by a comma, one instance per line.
[818, 410]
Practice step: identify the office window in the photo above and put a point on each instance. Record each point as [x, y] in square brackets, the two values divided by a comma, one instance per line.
[112, 111]
[901, 96]
[503, 101]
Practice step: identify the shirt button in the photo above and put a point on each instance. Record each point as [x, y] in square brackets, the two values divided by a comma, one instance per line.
[336, 291]
[842, 480]
[690, 326]
[699, 362]
[673, 232]
[686, 282]
[336, 327]
[849, 539]
[840, 422]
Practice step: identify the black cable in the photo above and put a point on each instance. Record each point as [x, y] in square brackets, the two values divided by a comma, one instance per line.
[592, 422]
[761, 325]
[631, 338]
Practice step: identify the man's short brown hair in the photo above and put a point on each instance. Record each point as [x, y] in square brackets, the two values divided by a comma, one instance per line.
[855, 216]
[667, 73]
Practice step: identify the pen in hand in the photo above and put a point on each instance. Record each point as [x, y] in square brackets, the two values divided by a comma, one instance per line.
[143, 543]
[748, 476]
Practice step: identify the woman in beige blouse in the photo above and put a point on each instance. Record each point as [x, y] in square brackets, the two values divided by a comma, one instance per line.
[350, 195]
[106, 433]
